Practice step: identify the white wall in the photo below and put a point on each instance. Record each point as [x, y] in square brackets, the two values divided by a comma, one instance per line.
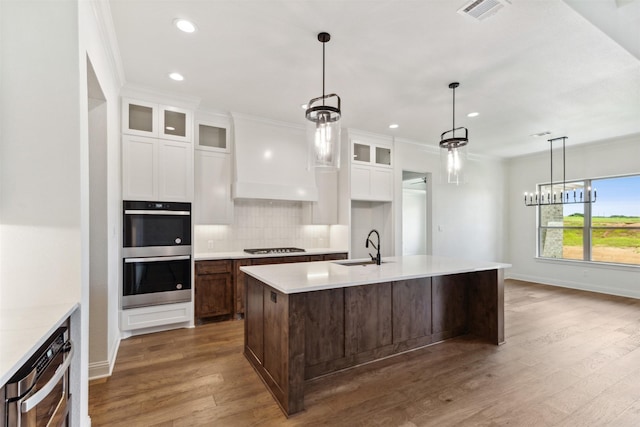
[601, 159]
[467, 221]
[97, 44]
[42, 166]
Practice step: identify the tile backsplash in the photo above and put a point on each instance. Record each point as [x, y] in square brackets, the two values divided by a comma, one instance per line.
[260, 224]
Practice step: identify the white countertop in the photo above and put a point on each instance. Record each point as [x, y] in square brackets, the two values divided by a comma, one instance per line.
[24, 330]
[201, 256]
[320, 275]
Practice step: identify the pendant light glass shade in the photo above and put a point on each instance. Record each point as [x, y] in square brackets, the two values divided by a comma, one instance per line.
[453, 149]
[323, 129]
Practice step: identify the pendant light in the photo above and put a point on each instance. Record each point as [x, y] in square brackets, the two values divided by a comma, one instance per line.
[323, 130]
[453, 151]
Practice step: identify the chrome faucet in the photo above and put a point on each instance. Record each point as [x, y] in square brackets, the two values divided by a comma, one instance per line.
[376, 258]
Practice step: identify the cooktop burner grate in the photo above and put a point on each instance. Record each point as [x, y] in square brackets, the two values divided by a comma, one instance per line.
[263, 251]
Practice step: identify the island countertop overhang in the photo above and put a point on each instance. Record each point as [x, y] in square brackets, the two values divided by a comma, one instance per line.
[322, 275]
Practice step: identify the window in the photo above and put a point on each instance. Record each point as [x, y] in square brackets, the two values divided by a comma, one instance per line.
[605, 231]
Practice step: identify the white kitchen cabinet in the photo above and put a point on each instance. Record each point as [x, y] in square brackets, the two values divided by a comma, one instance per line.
[325, 210]
[213, 133]
[142, 118]
[139, 168]
[371, 183]
[371, 168]
[212, 200]
[155, 169]
[175, 171]
[371, 153]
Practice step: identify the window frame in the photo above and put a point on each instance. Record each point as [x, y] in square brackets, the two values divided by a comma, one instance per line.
[587, 227]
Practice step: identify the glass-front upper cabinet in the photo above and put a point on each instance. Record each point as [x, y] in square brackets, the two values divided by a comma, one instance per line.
[213, 133]
[371, 154]
[156, 120]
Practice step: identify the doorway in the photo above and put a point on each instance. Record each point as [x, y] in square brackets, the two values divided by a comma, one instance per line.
[415, 217]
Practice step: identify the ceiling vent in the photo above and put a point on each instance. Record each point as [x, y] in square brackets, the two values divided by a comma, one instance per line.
[481, 9]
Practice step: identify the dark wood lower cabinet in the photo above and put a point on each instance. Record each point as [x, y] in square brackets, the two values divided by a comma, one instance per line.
[213, 289]
[297, 337]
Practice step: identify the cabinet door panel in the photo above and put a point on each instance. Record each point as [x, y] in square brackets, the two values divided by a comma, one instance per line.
[254, 326]
[276, 325]
[139, 118]
[360, 182]
[240, 283]
[213, 295]
[175, 171]
[382, 184]
[368, 317]
[139, 168]
[212, 202]
[324, 326]
[411, 309]
[175, 123]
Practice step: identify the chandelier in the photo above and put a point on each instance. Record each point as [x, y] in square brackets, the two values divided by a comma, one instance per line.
[570, 195]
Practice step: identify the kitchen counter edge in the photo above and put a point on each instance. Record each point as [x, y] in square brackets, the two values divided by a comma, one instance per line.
[24, 330]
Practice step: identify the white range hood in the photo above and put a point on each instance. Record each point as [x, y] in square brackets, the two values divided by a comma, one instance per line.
[271, 161]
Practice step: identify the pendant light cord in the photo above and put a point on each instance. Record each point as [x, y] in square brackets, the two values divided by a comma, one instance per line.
[454, 112]
[323, 44]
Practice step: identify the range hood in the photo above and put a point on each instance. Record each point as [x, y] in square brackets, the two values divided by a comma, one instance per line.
[271, 161]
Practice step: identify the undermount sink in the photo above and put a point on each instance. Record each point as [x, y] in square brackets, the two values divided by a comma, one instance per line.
[354, 263]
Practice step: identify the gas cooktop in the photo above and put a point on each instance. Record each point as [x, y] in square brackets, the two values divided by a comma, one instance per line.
[263, 251]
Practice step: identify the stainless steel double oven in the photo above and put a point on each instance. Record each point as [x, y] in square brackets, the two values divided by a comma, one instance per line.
[156, 253]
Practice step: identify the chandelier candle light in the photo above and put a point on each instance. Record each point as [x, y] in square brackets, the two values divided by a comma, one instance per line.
[566, 196]
[453, 152]
[324, 124]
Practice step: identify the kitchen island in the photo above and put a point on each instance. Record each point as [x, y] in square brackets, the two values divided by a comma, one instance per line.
[306, 320]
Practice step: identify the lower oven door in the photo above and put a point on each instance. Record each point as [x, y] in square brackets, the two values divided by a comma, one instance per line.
[156, 280]
[48, 403]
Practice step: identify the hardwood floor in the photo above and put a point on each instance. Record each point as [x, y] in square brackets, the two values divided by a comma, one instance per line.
[571, 358]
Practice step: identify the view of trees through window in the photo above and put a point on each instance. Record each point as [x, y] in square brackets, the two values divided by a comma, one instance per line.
[605, 231]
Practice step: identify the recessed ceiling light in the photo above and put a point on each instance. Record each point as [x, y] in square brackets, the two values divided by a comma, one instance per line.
[176, 76]
[394, 126]
[184, 25]
[474, 114]
[537, 135]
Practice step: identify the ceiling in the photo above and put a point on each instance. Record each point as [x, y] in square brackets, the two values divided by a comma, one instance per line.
[532, 67]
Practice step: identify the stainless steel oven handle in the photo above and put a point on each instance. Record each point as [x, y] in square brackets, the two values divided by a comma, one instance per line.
[143, 212]
[39, 396]
[156, 259]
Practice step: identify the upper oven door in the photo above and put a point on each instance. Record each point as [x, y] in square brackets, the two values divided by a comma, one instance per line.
[149, 224]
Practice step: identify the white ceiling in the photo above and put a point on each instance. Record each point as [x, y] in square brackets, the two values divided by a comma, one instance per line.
[536, 65]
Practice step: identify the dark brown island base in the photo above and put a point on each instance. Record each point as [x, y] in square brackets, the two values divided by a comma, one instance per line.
[305, 321]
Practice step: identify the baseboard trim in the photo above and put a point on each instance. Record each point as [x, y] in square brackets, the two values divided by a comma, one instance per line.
[576, 285]
[104, 368]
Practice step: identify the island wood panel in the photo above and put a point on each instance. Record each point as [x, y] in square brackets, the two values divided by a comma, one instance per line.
[282, 327]
[368, 317]
[411, 309]
[292, 328]
[254, 318]
[450, 306]
[276, 321]
[324, 326]
[486, 305]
